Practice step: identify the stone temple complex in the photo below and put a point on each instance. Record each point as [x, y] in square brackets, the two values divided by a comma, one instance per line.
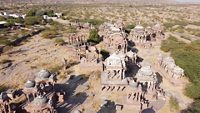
[37, 96]
[121, 73]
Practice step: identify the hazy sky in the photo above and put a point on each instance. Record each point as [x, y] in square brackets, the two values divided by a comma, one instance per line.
[188, 0]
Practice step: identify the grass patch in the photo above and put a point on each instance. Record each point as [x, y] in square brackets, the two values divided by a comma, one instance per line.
[55, 69]
[174, 105]
[49, 34]
[187, 56]
[59, 41]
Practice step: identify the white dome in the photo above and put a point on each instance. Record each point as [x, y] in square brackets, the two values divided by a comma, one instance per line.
[139, 27]
[40, 100]
[146, 71]
[170, 65]
[177, 70]
[30, 84]
[44, 74]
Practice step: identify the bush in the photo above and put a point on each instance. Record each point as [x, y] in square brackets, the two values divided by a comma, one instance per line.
[174, 105]
[55, 69]
[31, 12]
[71, 30]
[3, 88]
[94, 36]
[56, 25]
[32, 20]
[49, 34]
[59, 41]
[2, 18]
[95, 22]
[129, 27]
[5, 42]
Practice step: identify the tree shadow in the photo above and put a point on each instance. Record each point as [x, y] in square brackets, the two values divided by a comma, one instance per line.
[159, 77]
[109, 107]
[132, 70]
[139, 59]
[131, 43]
[148, 110]
[72, 100]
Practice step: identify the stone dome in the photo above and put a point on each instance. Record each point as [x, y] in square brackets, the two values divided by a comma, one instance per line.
[30, 84]
[44, 74]
[146, 71]
[145, 64]
[169, 59]
[170, 65]
[93, 49]
[40, 100]
[3, 96]
[139, 27]
[177, 70]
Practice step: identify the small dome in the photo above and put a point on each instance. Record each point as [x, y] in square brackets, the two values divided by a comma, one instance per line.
[3, 96]
[146, 71]
[177, 70]
[145, 64]
[30, 84]
[168, 59]
[93, 49]
[44, 74]
[170, 65]
[139, 27]
[40, 100]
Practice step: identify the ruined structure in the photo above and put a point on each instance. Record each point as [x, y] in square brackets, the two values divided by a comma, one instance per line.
[141, 89]
[113, 75]
[116, 42]
[145, 36]
[77, 40]
[40, 104]
[168, 64]
[91, 54]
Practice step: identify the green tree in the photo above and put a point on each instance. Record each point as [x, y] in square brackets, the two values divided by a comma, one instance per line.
[19, 20]
[32, 20]
[49, 34]
[94, 36]
[129, 27]
[2, 18]
[40, 13]
[31, 12]
[50, 13]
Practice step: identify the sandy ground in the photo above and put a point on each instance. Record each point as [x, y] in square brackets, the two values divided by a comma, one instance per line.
[28, 58]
